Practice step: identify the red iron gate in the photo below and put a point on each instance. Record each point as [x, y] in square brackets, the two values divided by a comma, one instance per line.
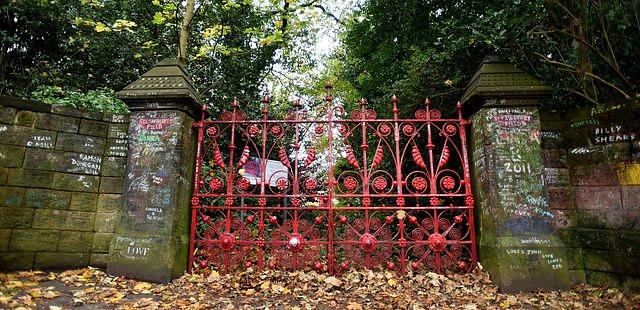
[332, 192]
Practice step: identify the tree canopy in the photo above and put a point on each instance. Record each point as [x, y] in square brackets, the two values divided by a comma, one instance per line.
[417, 48]
[90, 44]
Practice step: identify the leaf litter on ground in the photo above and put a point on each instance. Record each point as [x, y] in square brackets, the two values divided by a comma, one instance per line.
[276, 289]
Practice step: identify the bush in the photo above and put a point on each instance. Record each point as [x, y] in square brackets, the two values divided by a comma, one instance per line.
[100, 100]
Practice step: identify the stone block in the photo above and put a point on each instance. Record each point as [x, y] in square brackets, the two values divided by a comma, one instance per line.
[628, 242]
[93, 128]
[59, 261]
[7, 114]
[611, 261]
[106, 222]
[20, 217]
[117, 147]
[74, 182]
[16, 261]
[630, 197]
[578, 276]
[594, 175]
[30, 178]
[631, 284]
[4, 174]
[75, 241]
[556, 176]
[69, 111]
[83, 201]
[592, 219]
[25, 118]
[42, 159]
[11, 156]
[628, 173]
[101, 242]
[602, 278]
[575, 259]
[597, 197]
[570, 237]
[118, 131]
[63, 220]
[110, 202]
[578, 137]
[56, 122]
[80, 143]
[111, 185]
[598, 239]
[116, 118]
[79, 163]
[99, 260]
[597, 261]
[5, 236]
[559, 198]
[48, 199]
[556, 158]
[26, 136]
[11, 196]
[33, 240]
[552, 139]
[114, 166]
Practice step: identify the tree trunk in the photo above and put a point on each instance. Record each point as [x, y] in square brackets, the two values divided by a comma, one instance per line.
[184, 31]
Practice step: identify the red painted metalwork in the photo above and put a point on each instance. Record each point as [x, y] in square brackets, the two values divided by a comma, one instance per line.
[357, 191]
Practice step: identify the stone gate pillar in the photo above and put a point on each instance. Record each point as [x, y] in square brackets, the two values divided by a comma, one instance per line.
[151, 240]
[517, 241]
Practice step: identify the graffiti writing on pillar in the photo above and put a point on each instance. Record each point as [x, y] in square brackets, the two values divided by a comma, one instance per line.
[154, 136]
[519, 169]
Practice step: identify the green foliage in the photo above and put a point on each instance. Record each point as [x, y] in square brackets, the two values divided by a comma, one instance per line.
[416, 48]
[89, 44]
[101, 100]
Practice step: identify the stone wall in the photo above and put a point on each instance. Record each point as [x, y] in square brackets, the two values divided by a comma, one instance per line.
[61, 184]
[592, 173]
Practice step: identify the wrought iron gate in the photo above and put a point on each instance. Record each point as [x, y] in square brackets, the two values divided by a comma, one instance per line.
[332, 192]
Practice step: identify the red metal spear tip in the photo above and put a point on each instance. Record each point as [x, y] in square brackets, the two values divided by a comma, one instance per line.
[265, 99]
[234, 102]
[427, 101]
[204, 107]
[363, 101]
[296, 103]
[459, 105]
[394, 99]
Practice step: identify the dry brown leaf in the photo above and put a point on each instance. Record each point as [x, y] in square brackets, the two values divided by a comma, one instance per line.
[142, 286]
[333, 281]
[50, 294]
[354, 306]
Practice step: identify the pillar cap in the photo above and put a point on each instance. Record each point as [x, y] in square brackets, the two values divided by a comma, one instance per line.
[499, 79]
[166, 86]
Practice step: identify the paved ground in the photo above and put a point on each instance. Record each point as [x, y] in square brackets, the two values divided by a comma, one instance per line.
[358, 289]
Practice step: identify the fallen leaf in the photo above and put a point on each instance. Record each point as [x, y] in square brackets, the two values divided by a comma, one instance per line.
[35, 293]
[354, 306]
[333, 281]
[142, 286]
[50, 294]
